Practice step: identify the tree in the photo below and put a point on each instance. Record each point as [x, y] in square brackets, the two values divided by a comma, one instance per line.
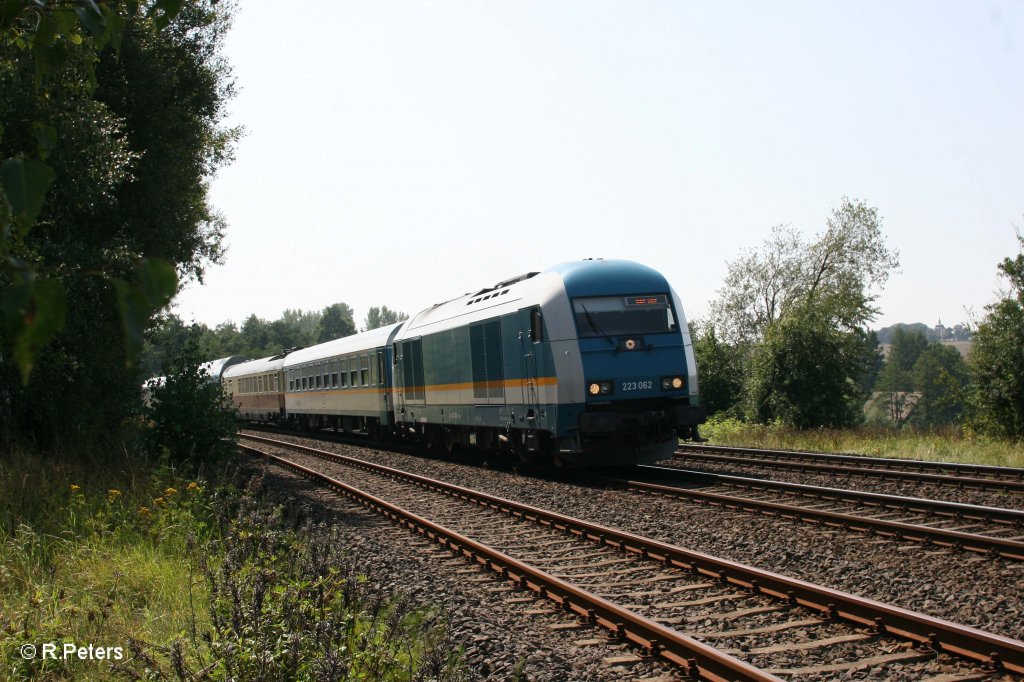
[719, 369]
[303, 326]
[132, 138]
[874, 361]
[896, 379]
[336, 322]
[940, 375]
[806, 372]
[382, 317]
[48, 74]
[841, 270]
[997, 359]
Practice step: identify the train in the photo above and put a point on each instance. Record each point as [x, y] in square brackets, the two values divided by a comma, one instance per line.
[588, 363]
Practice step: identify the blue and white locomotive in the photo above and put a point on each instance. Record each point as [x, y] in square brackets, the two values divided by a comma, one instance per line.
[588, 363]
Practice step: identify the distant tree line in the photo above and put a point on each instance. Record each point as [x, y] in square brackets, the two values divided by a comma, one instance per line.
[958, 332]
[787, 340]
[255, 337]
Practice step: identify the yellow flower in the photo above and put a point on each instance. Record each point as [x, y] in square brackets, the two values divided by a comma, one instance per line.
[193, 486]
[158, 501]
[170, 491]
[143, 511]
[75, 488]
[113, 494]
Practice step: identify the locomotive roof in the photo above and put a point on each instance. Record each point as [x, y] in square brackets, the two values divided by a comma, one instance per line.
[356, 343]
[610, 277]
[577, 278]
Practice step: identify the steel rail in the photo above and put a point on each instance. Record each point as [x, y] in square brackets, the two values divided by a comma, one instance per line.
[954, 510]
[991, 650]
[891, 474]
[984, 544]
[998, 473]
[696, 658]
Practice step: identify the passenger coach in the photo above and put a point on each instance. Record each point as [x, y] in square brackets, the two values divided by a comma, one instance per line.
[256, 389]
[342, 384]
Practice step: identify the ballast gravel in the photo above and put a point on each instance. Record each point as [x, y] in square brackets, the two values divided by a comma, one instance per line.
[961, 587]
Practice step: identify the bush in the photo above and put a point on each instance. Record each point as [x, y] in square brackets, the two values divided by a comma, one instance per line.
[189, 417]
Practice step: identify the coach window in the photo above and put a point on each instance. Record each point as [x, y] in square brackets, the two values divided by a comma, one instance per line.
[326, 368]
[364, 370]
[303, 371]
[353, 371]
[373, 369]
[334, 373]
[316, 374]
[536, 326]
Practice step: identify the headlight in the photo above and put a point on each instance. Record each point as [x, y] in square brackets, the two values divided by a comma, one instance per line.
[672, 383]
[596, 388]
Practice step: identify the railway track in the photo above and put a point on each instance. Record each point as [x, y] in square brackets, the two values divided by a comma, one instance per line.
[1006, 479]
[993, 531]
[740, 622]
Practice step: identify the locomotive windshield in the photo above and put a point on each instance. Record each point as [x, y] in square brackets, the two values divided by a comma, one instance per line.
[623, 315]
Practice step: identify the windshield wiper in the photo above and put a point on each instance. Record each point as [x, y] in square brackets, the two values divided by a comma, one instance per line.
[593, 325]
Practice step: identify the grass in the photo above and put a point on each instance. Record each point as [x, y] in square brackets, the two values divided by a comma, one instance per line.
[190, 580]
[945, 445]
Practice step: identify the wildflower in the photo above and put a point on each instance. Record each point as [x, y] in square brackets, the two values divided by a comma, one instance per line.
[170, 491]
[75, 488]
[113, 494]
[193, 486]
[144, 511]
[158, 501]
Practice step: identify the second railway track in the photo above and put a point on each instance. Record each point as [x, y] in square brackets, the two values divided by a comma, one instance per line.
[749, 613]
[1007, 479]
[988, 530]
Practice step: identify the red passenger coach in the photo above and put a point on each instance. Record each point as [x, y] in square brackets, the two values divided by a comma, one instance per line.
[256, 388]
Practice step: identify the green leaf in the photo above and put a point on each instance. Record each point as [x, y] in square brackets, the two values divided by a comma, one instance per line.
[155, 283]
[42, 45]
[46, 138]
[25, 182]
[164, 11]
[115, 28]
[67, 21]
[91, 17]
[33, 312]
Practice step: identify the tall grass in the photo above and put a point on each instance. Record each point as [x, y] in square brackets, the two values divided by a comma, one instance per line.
[190, 579]
[944, 445]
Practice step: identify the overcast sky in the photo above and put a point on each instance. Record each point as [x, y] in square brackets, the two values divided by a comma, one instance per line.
[403, 153]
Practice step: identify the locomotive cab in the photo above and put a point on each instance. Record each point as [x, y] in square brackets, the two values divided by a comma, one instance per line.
[636, 359]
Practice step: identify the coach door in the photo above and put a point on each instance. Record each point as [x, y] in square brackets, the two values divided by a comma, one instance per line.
[530, 335]
[410, 381]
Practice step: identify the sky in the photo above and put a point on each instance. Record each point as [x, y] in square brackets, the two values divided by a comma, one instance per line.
[405, 153]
